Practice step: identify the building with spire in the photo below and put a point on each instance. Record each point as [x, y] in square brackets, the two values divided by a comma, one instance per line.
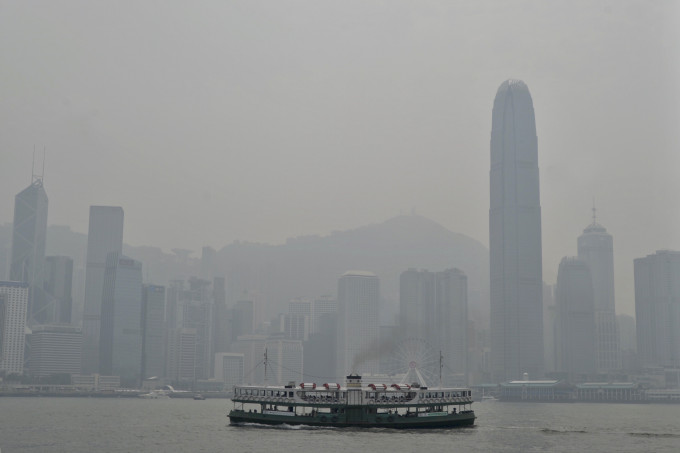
[516, 278]
[596, 248]
[28, 248]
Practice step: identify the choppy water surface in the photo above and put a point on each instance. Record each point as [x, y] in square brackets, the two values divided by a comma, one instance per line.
[172, 425]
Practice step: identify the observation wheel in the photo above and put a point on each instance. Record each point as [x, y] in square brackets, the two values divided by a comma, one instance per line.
[416, 360]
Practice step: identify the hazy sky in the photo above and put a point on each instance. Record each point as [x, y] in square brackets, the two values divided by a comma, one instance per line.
[212, 121]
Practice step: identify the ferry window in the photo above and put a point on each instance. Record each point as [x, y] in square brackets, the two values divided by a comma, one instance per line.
[290, 394]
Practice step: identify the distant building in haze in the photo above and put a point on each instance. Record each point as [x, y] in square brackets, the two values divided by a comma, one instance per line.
[105, 235]
[242, 319]
[153, 331]
[575, 338]
[13, 309]
[657, 309]
[358, 329]
[28, 247]
[321, 307]
[57, 288]
[596, 248]
[190, 316]
[229, 369]
[120, 345]
[515, 237]
[433, 307]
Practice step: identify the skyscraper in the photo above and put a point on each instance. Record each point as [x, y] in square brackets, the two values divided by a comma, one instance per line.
[433, 307]
[28, 247]
[13, 308]
[657, 309]
[58, 284]
[575, 321]
[120, 341]
[105, 235]
[358, 332]
[515, 237]
[596, 247]
[153, 331]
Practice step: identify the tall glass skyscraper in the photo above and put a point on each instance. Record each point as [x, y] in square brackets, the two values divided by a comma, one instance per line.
[120, 341]
[105, 235]
[515, 237]
[28, 248]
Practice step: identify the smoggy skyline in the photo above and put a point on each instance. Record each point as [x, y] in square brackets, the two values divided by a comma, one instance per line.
[259, 121]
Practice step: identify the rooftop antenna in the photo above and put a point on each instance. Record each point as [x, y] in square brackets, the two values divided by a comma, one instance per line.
[33, 165]
[265, 367]
[441, 365]
[34, 176]
[594, 212]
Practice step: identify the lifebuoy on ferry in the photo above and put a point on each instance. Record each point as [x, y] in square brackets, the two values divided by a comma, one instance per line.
[390, 418]
[323, 418]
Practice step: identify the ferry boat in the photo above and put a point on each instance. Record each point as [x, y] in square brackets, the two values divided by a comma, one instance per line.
[354, 405]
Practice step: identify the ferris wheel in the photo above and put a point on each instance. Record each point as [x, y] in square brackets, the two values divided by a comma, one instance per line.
[415, 360]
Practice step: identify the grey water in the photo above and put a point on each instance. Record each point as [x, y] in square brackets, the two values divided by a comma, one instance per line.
[185, 425]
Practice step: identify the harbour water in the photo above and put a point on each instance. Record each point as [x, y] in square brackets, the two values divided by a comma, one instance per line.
[184, 425]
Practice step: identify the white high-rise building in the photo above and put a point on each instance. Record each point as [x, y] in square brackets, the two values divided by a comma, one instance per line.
[105, 235]
[596, 248]
[55, 349]
[13, 309]
[515, 237]
[358, 329]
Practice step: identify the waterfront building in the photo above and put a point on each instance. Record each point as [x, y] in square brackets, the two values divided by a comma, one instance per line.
[105, 235]
[57, 288]
[28, 247]
[120, 345]
[536, 390]
[515, 237]
[575, 338]
[55, 349]
[358, 332]
[657, 309]
[153, 331]
[596, 248]
[13, 310]
[95, 382]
